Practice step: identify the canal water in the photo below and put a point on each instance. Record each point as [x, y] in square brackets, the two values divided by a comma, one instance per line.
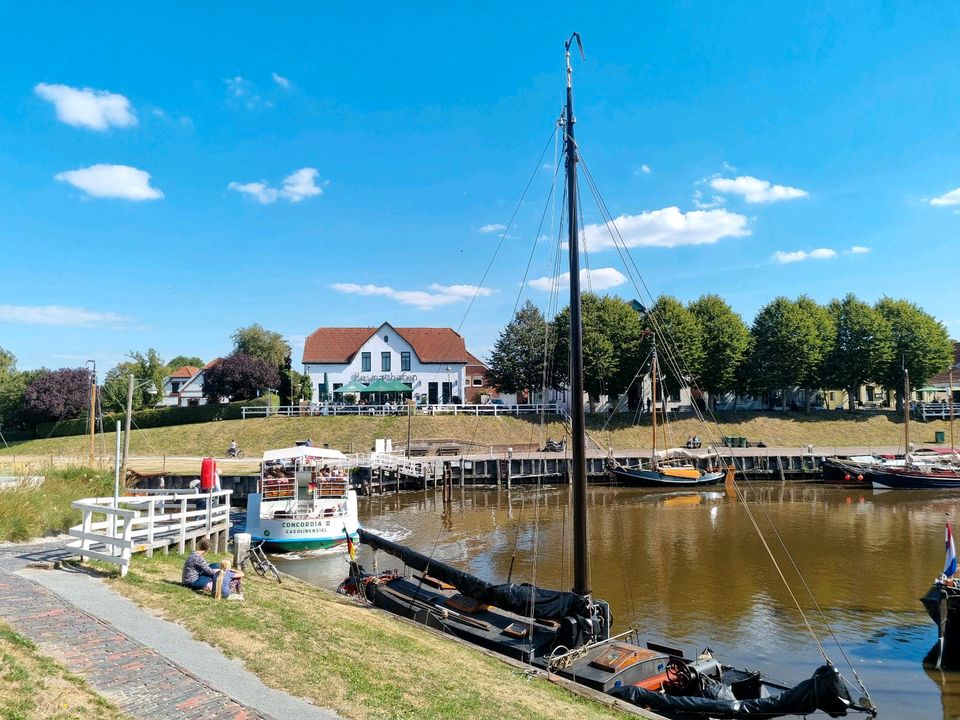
[689, 570]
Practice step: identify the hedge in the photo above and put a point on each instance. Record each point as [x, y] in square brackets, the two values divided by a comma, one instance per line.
[159, 417]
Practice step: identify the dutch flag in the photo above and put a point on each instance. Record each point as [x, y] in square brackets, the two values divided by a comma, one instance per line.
[950, 568]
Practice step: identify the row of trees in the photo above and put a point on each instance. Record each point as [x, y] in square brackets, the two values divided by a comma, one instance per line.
[791, 344]
[260, 361]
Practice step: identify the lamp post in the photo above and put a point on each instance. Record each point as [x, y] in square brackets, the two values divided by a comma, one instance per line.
[449, 386]
[131, 386]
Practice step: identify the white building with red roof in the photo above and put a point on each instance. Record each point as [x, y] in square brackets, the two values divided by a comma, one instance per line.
[432, 362]
[184, 386]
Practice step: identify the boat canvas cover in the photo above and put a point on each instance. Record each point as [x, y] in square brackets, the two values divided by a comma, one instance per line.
[303, 451]
[523, 599]
[824, 691]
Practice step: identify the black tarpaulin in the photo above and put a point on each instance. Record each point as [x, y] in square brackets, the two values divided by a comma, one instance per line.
[824, 691]
[522, 599]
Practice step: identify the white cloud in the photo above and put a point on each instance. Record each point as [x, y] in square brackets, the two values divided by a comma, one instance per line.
[858, 250]
[492, 228]
[643, 170]
[440, 295]
[702, 204]
[112, 181]
[281, 81]
[797, 255]
[58, 315]
[668, 228]
[754, 190]
[950, 198]
[296, 187]
[599, 279]
[238, 86]
[86, 107]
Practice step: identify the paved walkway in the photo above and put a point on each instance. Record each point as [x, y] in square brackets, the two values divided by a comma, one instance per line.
[150, 668]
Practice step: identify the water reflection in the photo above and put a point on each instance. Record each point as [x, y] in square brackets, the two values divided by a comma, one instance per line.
[689, 569]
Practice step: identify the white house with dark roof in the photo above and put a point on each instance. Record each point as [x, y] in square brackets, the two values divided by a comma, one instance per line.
[431, 361]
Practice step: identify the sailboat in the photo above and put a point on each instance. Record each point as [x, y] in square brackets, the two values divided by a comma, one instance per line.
[662, 475]
[568, 633]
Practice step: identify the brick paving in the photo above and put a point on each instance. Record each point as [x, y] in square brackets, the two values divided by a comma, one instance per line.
[140, 681]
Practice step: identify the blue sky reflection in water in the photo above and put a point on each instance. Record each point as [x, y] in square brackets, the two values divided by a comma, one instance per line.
[688, 569]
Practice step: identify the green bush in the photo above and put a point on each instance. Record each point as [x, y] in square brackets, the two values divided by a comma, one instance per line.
[160, 417]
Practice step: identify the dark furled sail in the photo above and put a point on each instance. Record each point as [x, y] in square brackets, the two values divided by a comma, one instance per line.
[824, 691]
[522, 599]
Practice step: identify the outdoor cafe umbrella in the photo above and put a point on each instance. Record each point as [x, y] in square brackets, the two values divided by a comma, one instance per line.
[378, 386]
[351, 387]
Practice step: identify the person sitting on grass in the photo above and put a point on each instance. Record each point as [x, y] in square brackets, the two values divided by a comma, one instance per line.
[197, 573]
[227, 583]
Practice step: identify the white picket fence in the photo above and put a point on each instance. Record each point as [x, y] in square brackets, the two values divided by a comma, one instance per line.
[251, 411]
[155, 519]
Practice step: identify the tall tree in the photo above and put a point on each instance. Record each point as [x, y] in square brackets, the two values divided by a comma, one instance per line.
[516, 361]
[813, 375]
[12, 385]
[183, 361]
[725, 340]
[57, 395]
[919, 343]
[147, 368]
[864, 347]
[679, 339]
[785, 347]
[239, 377]
[261, 343]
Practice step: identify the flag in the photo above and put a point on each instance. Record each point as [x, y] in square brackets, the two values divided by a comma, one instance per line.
[950, 567]
[352, 551]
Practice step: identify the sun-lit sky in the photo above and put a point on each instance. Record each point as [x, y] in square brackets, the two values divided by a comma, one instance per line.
[171, 173]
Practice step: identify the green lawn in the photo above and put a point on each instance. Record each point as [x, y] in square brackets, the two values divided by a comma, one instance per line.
[357, 660]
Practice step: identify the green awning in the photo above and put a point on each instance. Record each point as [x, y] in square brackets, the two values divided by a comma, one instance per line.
[399, 387]
[351, 387]
[931, 389]
[377, 386]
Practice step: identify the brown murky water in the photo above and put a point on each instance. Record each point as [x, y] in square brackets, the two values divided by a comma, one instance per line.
[688, 569]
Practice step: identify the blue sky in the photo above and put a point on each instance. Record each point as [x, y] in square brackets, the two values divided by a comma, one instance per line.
[313, 166]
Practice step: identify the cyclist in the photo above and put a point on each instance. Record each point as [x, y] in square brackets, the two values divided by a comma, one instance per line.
[234, 449]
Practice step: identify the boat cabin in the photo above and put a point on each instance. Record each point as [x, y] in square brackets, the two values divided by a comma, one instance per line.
[303, 482]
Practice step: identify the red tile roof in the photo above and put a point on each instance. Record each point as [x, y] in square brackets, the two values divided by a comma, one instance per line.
[187, 371]
[340, 345]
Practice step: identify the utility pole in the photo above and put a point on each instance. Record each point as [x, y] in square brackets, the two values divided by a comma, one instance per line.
[126, 433]
[93, 405]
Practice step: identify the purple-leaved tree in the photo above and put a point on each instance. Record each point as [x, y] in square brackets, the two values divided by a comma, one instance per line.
[239, 377]
[57, 395]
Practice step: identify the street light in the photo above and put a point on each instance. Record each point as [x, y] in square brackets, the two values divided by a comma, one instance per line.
[131, 386]
[449, 386]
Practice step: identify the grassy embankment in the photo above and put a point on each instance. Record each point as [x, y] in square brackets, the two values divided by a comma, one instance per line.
[28, 511]
[352, 434]
[338, 654]
[34, 687]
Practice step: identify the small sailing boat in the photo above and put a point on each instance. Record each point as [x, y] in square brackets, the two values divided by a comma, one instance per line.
[942, 601]
[568, 633]
[667, 474]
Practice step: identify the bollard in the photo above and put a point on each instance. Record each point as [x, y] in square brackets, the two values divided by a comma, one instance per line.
[241, 548]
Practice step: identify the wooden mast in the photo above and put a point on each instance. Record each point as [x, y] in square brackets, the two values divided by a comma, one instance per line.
[950, 397]
[653, 405]
[581, 556]
[906, 410]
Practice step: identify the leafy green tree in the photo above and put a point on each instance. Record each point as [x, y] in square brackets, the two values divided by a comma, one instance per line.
[261, 343]
[184, 361]
[863, 351]
[612, 339]
[919, 342]
[148, 366]
[516, 361]
[679, 338]
[725, 339]
[12, 385]
[813, 375]
[786, 345]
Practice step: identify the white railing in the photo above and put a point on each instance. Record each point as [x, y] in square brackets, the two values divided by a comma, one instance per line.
[391, 462]
[142, 523]
[937, 410]
[252, 411]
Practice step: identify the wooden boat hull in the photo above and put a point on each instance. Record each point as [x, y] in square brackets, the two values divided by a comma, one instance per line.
[942, 604]
[838, 472]
[886, 480]
[637, 477]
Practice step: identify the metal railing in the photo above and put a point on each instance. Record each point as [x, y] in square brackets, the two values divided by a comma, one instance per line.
[142, 523]
[936, 410]
[495, 409]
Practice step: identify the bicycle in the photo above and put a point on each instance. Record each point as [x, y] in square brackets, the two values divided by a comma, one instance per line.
[238, 453]
[260, 562]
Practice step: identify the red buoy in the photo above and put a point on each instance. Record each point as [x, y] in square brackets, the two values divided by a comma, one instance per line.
[208, 471]
[860, 478]
[847, 476]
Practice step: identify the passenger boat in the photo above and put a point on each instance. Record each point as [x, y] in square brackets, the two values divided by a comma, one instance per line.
[568, 633]
[303, 500]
